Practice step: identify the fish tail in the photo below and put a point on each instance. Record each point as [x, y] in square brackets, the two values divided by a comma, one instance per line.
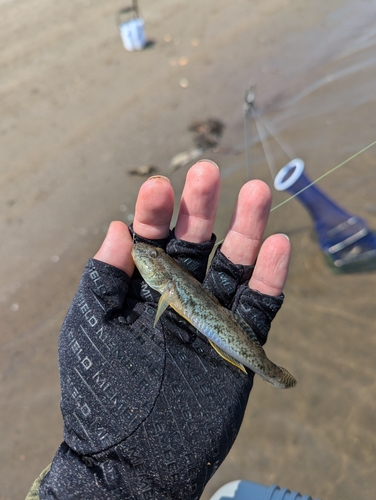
[286, 380]
[281, 378]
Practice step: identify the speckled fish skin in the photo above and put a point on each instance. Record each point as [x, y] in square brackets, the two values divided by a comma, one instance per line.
[190, 300]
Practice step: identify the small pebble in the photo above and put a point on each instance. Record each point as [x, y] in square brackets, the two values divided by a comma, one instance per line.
[183, 61]
[184, 83]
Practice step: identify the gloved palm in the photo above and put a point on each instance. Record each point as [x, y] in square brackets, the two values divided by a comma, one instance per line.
[149, 412]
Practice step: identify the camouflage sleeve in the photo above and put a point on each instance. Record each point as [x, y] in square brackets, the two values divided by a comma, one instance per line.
[34, 490]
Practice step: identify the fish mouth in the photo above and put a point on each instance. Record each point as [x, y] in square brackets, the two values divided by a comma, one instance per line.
[139, 253]
[142, 265]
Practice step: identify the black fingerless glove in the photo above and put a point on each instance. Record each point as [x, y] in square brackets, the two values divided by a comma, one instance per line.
[149, 412]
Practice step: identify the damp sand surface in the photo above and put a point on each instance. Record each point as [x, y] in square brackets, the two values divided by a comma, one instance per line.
[78, 111]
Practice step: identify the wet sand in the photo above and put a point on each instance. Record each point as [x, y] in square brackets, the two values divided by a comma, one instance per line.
[78, 111]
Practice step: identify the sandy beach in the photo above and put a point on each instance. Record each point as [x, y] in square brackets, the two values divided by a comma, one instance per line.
[78, 111]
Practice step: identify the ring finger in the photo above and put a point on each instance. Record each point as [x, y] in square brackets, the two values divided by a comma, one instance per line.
[243, 239]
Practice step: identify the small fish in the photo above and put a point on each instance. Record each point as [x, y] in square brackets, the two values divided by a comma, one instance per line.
[228, 333]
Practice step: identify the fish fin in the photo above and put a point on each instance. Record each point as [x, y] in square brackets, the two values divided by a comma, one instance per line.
[163, 303]
[246, 327]
[227, 357]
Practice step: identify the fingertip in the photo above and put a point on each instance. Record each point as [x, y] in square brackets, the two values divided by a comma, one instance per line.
[154, 208]
[248, 223]
[203, 180]
[271, 269]
[199, 202]
[116, 248]
[280, 247]
[257, 192]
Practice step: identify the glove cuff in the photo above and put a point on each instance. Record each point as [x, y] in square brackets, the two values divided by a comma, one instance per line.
[257, 309]
[192, 256]
[224, 278]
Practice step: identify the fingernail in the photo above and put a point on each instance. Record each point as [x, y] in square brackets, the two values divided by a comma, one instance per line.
[285, 235]
[159, 177]
[208, 161]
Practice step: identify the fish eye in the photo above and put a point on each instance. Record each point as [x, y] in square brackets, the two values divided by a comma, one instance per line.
[153, 254]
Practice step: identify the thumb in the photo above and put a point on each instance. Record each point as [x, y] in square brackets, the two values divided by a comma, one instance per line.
[116, 248]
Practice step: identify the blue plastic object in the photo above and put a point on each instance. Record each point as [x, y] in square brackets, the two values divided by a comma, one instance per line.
[345, 239]
[248, 490]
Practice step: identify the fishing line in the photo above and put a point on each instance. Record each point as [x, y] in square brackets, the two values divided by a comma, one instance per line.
[317, 180]
[248, 143]
[282, 144]
[265, 145]
[324, 175]
[247, 108]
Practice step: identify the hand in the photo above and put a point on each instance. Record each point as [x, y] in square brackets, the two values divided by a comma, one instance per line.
[195, 223]
[152, 412]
